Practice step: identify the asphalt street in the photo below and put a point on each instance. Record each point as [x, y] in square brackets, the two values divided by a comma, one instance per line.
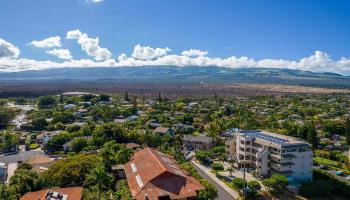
[222, 194]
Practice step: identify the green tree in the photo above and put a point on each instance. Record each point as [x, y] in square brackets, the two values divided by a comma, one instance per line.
[62, 117]
[39, 123]
[123, 192]
[126, 96]
[99, 178]
[275, 181]
[6, 115]
[78, 144]
[24, 180]
[104, 97]
[46, 101]
[311, 136]
[71, 171]
[7, 192]
[201, 155]
[217, 166]
[159, 97]
[209, 193]
[123, 155]
[347, 130]
[108, 153]
[8, 141]
[134, 106]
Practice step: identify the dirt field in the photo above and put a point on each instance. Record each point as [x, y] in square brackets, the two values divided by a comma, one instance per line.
[171, 89]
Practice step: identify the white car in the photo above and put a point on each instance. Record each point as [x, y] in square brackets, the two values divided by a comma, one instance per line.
[347, 178]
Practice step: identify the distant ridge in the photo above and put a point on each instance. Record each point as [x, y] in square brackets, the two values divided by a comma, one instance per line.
[175, 74]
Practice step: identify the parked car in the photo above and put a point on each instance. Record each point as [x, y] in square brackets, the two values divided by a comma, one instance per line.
[339, 173]
[207, 161]
[226, 178]
[323, 167]
[348, 178]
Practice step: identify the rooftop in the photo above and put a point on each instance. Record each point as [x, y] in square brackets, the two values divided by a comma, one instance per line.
[198, 138]
[161, 129]
[153, 174]
[72, 193]
[278, 139]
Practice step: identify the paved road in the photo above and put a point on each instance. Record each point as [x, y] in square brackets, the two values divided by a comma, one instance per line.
[332, 172]
[340, 178]
[222, 194]
[21, 156]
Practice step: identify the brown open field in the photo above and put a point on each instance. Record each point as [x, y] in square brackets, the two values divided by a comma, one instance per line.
[171, 89]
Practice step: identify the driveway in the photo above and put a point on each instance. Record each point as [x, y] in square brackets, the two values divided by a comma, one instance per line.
[224, 192]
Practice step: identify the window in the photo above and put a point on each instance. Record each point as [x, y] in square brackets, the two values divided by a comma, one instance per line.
[241, 149]
[242, 142]
[247, 142]
[247, 149]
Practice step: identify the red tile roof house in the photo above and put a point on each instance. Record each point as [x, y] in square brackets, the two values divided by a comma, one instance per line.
[154, 175]
[72, 193]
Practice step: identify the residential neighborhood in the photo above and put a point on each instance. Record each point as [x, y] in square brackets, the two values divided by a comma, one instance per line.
[168, 151]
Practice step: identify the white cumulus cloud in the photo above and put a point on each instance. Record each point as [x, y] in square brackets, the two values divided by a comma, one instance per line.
[147, 56]
[194, 53]
[60, 53]
[48, 42]
[8, 50]
[149, 53]
[94, 1]
[89, 45]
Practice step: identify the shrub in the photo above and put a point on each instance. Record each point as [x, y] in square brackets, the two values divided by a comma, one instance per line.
[210, 192]
[201, 155]
[34, 146]
[217, 166]
[275, 180]
[238, 183]
[254, 185]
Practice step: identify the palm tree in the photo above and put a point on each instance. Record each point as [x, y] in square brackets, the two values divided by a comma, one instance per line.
[99, 178]
[123, 155]
[108, 152]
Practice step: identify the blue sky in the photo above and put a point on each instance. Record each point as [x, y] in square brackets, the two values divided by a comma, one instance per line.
[288, 30]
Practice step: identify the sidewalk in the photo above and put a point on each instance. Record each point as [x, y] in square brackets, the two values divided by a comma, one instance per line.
[212, 176]
[11, 170]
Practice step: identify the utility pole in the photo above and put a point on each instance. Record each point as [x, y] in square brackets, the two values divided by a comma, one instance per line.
[244, 162]
[244, 181]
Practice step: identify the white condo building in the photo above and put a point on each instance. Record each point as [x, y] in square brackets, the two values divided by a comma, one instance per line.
[270, 153]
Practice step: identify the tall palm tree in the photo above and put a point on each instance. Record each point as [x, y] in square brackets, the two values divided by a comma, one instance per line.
[123, 155]
[99, 178]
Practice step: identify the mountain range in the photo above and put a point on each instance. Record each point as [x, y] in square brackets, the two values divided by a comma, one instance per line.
[174, 74]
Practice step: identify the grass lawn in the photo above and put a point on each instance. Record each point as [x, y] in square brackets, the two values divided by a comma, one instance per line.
[332, 164]
[34, 146]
